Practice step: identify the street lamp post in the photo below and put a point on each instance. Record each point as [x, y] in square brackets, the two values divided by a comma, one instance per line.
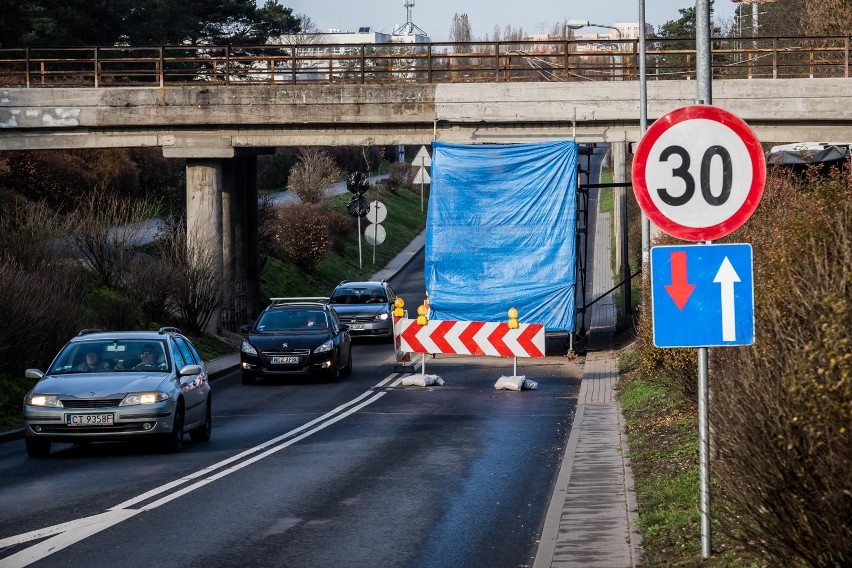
[619, 167]
[577, 24]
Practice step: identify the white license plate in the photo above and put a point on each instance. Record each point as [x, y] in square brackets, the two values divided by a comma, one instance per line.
[284, 360]
[356, 326]
[89, 419]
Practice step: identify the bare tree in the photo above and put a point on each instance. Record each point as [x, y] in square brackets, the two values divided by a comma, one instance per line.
[460, 30]
[105, 231]
[314, 171]
[188, 266]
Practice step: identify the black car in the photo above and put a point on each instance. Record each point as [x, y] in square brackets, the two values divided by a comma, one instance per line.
[296, 336]
[366, 307]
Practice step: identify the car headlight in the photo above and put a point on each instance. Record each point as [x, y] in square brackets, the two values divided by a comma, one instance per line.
[327, 346]
[382, 316]
[144, 398]
[49, 400]
[247, 348]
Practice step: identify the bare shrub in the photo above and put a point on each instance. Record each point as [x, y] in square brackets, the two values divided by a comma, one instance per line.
[147, 286]
[30, 234]
[44, 305]
[302, 234]
[399, 177]
[314, 171]
[188, 265]
[105, 230]
[782, 408]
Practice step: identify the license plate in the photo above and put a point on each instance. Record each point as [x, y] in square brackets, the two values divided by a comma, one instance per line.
[284, 360]
[89, 419]
[356, 326]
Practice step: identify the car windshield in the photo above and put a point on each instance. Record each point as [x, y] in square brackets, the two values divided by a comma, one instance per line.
[110, 356]
[291, 320]
[358, 296]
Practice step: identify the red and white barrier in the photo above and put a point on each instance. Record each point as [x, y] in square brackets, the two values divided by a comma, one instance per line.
[470, 338]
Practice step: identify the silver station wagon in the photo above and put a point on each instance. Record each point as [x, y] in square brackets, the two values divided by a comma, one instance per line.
[123, 385]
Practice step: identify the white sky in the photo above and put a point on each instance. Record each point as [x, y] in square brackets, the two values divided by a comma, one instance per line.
[534, 16]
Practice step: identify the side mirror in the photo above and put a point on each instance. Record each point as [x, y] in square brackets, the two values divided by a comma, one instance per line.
[33, 374]
[344, 327]
[245, 328]
[190, 370]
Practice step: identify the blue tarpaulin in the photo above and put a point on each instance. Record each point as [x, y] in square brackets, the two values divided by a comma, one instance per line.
[500, 233]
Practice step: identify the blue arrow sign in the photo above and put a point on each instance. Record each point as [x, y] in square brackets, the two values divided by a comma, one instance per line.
[702, 295]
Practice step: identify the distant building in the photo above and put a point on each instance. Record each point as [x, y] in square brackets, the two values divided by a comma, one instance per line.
[343, 47]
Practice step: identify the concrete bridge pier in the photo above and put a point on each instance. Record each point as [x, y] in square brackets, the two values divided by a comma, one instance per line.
[222, 231]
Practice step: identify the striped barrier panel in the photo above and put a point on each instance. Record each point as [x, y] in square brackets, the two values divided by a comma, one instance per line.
[471, 338]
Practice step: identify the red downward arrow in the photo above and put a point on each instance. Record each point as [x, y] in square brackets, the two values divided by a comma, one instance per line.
[467, 337]
[495, 338]
[437, 336]
[525, 340]
[409, 334]
[679, 289]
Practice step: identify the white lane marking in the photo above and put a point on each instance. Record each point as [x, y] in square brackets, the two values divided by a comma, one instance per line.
[202, 472]
[82, 528]
[68, 533]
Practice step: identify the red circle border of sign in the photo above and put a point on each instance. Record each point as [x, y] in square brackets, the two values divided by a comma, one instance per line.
[755, 152]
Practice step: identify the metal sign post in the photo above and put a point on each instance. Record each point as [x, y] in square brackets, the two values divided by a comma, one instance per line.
[699, 174]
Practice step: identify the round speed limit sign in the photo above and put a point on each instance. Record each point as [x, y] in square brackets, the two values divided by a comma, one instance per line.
[699, 172]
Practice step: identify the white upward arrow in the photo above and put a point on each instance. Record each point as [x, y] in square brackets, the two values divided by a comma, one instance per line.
[727, 276]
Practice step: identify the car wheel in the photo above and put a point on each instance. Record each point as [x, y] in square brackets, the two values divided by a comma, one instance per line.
[37, 448]
[248, 378]
[347, 370]
[202, 434]
[174, 440]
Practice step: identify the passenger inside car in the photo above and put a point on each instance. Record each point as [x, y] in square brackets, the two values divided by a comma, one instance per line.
[92, 363]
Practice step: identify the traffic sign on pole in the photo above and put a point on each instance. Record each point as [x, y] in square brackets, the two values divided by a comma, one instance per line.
[422, 158]
[699, 173]
[702, 295]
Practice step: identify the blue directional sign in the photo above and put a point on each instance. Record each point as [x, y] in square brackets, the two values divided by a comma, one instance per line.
[702, 295]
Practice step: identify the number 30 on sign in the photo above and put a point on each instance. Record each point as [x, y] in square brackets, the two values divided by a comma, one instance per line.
[699, 173]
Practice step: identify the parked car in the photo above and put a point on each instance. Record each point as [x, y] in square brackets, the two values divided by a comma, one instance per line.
[366, 307]
[120, 385]
[296, 336]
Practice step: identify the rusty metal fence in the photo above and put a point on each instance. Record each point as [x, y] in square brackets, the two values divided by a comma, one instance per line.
[553, 60]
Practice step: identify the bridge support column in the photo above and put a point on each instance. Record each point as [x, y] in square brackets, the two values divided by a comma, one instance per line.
[204, 182]
[622, 262]
[240, 239]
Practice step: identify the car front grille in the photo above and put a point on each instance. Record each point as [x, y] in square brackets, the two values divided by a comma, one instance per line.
[301, 353]
[357, 319]
[90, 402]
[116, 429]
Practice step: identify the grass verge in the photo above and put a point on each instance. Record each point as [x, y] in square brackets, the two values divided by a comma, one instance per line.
[662, 436]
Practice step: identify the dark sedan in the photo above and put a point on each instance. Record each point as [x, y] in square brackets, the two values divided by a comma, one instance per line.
[296, 336]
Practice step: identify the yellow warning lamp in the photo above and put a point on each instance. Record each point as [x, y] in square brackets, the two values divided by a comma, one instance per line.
[398, 304]
[513, 318]
[421, 315]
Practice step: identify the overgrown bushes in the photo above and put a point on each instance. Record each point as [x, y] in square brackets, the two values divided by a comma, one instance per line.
[781, 410]
[303, 233]
[783, 407]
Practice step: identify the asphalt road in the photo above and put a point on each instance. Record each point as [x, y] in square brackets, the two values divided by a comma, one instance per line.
[298, 473]
[363, 472]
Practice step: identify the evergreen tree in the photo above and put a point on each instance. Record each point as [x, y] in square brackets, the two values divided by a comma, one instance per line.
[63, 23]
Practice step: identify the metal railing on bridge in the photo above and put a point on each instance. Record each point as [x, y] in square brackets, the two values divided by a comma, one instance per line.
[551, 60]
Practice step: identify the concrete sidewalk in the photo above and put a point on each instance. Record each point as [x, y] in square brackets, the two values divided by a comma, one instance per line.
[591, 521]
